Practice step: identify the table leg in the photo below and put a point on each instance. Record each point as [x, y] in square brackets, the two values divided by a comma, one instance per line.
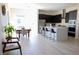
[28, 34]
[19, 34]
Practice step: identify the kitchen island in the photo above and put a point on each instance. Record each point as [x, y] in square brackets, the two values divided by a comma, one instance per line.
[61, 32]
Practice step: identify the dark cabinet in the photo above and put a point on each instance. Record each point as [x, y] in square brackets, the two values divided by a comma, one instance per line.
[58, 18]
[67, 17]
[51, 18]
[42, 16]
[54, 19]
[73, 15]
[71, 34]
[72, 29]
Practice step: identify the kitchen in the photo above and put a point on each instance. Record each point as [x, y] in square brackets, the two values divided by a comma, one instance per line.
[65, 19]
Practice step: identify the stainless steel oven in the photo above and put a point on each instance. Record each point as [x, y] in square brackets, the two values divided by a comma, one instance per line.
[72, 27]
[72, 23]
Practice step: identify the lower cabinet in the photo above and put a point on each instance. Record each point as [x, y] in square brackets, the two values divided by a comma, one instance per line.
[71, 34]
[71, 31]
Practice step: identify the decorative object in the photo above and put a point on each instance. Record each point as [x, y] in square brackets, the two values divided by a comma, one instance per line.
[3, 9]
[8, 31]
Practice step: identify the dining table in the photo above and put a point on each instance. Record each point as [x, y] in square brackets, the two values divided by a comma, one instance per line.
[19, 31]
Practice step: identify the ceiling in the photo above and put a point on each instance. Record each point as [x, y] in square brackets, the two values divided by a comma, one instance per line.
[54, 6]
[43, 6]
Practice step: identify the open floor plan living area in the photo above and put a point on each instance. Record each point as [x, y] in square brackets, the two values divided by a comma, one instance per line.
[39, 28]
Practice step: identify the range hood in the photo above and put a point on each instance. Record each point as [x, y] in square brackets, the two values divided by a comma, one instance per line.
[64, 14]
[63, 17]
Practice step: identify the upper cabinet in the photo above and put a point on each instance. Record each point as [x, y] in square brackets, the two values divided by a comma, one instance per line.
[51, 18]
[57, 18]
[42, 16]
[72, 15]
[67, 17]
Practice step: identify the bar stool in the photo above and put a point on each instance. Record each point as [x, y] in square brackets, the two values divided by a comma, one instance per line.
[53, 33]
[47, 32]
[43, 31]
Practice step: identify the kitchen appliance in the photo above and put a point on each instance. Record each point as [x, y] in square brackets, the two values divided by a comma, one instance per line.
[72, 28]
[72, 23]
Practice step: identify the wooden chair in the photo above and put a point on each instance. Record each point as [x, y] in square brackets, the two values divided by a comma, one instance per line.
[10, 43]
[24, 32]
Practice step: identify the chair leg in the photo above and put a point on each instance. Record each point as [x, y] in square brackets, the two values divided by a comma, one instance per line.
[4, 48]
[53, 35]
[18, 39]
[20, 51]
[19, 48]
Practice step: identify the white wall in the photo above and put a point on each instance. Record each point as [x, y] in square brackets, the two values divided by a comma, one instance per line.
[77, 24]
[46, 12]
[41, 22]
[3, 22]
[1, 34]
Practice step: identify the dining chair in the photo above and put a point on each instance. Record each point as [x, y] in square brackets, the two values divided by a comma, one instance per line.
[24, 32]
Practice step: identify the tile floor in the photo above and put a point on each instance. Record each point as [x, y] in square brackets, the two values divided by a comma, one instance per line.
[41, 45]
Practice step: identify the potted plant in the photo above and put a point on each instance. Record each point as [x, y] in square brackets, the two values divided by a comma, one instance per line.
[8, 31]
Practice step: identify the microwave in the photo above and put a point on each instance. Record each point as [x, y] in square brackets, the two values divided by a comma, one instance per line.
[72, 23]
